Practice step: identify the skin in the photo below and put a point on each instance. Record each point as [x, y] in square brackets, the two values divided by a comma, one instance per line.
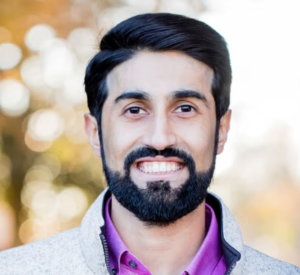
[160, 120]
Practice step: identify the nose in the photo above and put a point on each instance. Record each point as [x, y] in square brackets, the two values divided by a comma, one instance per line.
[159, 133]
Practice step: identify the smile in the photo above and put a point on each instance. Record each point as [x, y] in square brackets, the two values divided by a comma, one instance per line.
[153, 167]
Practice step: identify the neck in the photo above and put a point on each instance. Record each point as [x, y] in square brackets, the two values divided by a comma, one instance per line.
[163, 250]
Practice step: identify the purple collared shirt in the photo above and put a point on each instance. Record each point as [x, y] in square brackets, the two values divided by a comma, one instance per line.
[208, 260]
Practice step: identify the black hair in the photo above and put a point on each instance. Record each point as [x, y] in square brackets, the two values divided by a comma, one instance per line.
[159, 32]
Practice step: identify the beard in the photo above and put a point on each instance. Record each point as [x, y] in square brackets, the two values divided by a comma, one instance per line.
[159, 204]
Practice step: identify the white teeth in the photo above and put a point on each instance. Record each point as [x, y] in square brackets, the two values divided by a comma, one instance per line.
[159, 167]
[155, 167]
[162, 166]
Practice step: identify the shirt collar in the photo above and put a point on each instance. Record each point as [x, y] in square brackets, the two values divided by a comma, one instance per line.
[210, 251]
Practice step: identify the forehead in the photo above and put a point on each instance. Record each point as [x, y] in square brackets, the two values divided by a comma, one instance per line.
[159, 73]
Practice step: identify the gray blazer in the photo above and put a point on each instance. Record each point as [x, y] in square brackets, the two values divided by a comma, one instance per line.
[83, 250]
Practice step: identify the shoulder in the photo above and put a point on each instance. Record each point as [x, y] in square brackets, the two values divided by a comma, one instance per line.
[51, 255]
[256, 262]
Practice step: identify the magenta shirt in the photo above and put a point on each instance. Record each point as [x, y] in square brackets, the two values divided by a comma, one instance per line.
[208, 260]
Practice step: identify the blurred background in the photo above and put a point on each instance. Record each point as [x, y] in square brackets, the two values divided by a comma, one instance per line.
[48, 173]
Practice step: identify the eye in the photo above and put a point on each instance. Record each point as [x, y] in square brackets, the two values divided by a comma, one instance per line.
[185, 109]
[135, 111]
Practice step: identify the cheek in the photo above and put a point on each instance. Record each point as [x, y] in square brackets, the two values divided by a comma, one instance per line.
[110, 142]
[119, 139]
[199, 141]
[204, 155]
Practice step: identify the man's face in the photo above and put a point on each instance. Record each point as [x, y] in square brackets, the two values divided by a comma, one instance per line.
[159, 101]
[162, 120]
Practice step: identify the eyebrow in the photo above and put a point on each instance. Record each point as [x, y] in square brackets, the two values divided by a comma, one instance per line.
[190, 93]
[141, 95]
[132, 95]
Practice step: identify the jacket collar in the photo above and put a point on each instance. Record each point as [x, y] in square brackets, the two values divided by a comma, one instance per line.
[93, 224]
[231, 236]
[90, 231]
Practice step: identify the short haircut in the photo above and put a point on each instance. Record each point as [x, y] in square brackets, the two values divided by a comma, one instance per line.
[159, 32]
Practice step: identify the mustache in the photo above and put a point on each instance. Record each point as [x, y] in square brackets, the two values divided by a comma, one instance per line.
[152, 152]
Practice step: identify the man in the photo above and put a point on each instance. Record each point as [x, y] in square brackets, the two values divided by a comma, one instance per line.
[158, 93]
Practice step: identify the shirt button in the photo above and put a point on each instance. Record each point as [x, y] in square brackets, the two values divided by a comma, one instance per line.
[132, 264]
[114, 271]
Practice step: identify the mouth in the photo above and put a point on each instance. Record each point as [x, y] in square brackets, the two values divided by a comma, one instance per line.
[159, 167]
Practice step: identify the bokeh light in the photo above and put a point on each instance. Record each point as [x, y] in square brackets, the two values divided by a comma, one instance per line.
[72, 202]
[39, 172]
[26, 233]
[45, 125]
[31, 188]
[10, 56]
[83, 42]
[14, 97]
[74, 130]
[73, 89]
[58, 62]
[34, 229]
[44, 203]
[38, 37]
[113, 15]
[31, 72]
[36, 145]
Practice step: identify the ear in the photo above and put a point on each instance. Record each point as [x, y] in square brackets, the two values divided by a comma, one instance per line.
[223, 131]
[91, 129]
